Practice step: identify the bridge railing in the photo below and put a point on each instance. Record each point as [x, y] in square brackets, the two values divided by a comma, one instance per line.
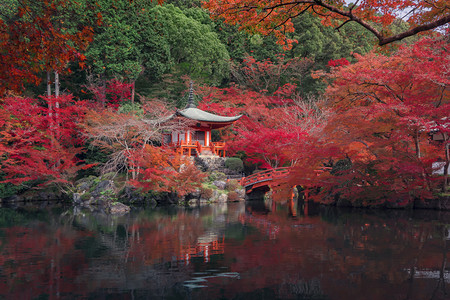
[265, 176]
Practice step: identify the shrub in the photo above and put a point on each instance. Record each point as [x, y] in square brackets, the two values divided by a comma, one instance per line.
[9, 189]
[233, 196]
[128, 107]
[215, 175]
[235, 164]
[232, 185]
[206, 193]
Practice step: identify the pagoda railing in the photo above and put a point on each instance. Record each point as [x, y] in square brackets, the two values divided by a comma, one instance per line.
[187, 148]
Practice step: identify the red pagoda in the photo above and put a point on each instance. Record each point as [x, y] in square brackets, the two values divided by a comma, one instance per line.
[196, 140]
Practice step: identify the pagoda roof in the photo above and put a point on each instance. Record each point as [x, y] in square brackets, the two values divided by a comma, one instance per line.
[194, 113]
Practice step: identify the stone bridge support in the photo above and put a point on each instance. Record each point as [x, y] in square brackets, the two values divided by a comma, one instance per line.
[258, 193]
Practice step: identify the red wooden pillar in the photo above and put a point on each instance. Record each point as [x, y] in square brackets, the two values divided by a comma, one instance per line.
[292, 210]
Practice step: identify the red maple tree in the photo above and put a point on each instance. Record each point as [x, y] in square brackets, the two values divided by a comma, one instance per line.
[40, 141]
[274, 127]
[163, 170]
[385, 109]
[35, 39]
[271, 16]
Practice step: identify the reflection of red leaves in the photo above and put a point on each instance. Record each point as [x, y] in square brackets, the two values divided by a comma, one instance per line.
[40, 258]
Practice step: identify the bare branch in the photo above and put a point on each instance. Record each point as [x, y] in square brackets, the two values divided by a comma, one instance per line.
[342, 25]
[442, 21]
[347, 14]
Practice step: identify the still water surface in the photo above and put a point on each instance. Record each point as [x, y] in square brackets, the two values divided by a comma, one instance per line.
[224, 251]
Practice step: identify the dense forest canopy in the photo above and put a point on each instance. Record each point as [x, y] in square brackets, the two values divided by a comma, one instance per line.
[95, 41]
[86, 87]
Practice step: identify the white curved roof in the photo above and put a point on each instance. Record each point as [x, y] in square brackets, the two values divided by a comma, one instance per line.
[200, 115]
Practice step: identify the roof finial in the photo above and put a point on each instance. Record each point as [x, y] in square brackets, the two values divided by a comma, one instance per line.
[191, 96]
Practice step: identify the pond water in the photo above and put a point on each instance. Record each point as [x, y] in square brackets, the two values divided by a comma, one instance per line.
[224, 251]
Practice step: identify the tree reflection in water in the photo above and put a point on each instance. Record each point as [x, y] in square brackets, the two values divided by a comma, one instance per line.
[252, 250]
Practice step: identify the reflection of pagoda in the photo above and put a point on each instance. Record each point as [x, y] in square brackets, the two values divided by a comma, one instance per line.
[197, 138]
[205, 247]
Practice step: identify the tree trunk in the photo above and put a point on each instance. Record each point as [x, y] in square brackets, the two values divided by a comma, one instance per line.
[417, 144]
[56, 104]
[56, 84]
[49, 85]
[133, 91]
[447, 162]
[103, 90]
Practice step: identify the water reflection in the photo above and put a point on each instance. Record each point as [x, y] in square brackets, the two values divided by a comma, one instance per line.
[236, 251]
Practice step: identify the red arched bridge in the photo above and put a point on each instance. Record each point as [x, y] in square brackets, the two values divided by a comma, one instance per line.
[264, 179]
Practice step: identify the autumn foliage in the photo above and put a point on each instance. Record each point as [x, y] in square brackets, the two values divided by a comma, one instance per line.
[40, 139]
[131, 142]
[275, 127]
[37, 39]
[372, 137]
[112, 93]
[268, 76]
[369, 143]
[270, 16]
[163, 170]
[378, 141]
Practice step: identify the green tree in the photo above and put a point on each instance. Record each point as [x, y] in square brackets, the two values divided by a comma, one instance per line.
[188, 47]
[114, 51]
[8, 9]
[195, 48]
[143, 40]
[323, 44]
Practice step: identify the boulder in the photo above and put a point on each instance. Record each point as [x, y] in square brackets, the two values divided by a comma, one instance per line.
[241, 193]
[104, 187]
[196, 194]
[221, 184]
[118, 208]
[222, 198]
[215, 196]
[77, 198]
[93, 191]
[85, 184]
[131, 195]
